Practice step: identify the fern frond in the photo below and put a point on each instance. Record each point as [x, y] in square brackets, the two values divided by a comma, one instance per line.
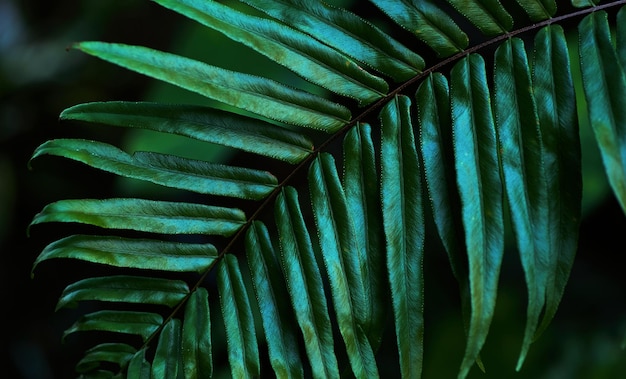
[491, 134]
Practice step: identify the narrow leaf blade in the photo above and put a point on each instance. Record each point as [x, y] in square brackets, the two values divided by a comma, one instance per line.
[347, 270]
[145, 215]
[305, 285]
[435, 125]
[480, 189]
[556, 106]
[280, 337]
[131, 253]
[127, 322]
[346, 32]
[254, 94]
[167, 170]
[197, 358]
[433, 105]
[166, 362]
[243, 352]
[604, 83]
[362, 189]
[525, 180]
[124, 288]
[403, 222]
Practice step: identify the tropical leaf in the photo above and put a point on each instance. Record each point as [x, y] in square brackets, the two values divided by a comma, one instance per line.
[473, 136]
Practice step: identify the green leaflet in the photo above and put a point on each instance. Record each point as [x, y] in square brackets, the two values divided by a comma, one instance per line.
[243, 352]
[478, 180]
[145, 215]
[521, 154]
[124, 288]
[429, 23]
[345, 266]
[604, 82]
[270, 292]
[435, 125]
[362, 192]
[201, 123]
[117, 353]
[307, 57]
[166, 362]
[305, 285]
[127, 322]
[347, 33]
[489, 16]
[139, 367]
[254, 94]
[403, 222]
[196, 336]
[556, 107]
[132, 253]
[538, 10]
[167, 170]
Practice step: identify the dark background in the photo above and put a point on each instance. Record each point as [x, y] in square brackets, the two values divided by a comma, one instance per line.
[39, 78]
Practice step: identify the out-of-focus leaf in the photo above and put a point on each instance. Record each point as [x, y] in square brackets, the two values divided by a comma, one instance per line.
[347, 33]
[429, 23]
[480, 188]
[167, 357]
[604, 82]
[201, 123]
[124, 288]
[403, 221]
[254, 94]
[145, 215]
[127, 322]
[347, 270]
[243, 352]
[131, 253]
[196, 338]
[305, 285]
[167, 170]
[281, 339]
